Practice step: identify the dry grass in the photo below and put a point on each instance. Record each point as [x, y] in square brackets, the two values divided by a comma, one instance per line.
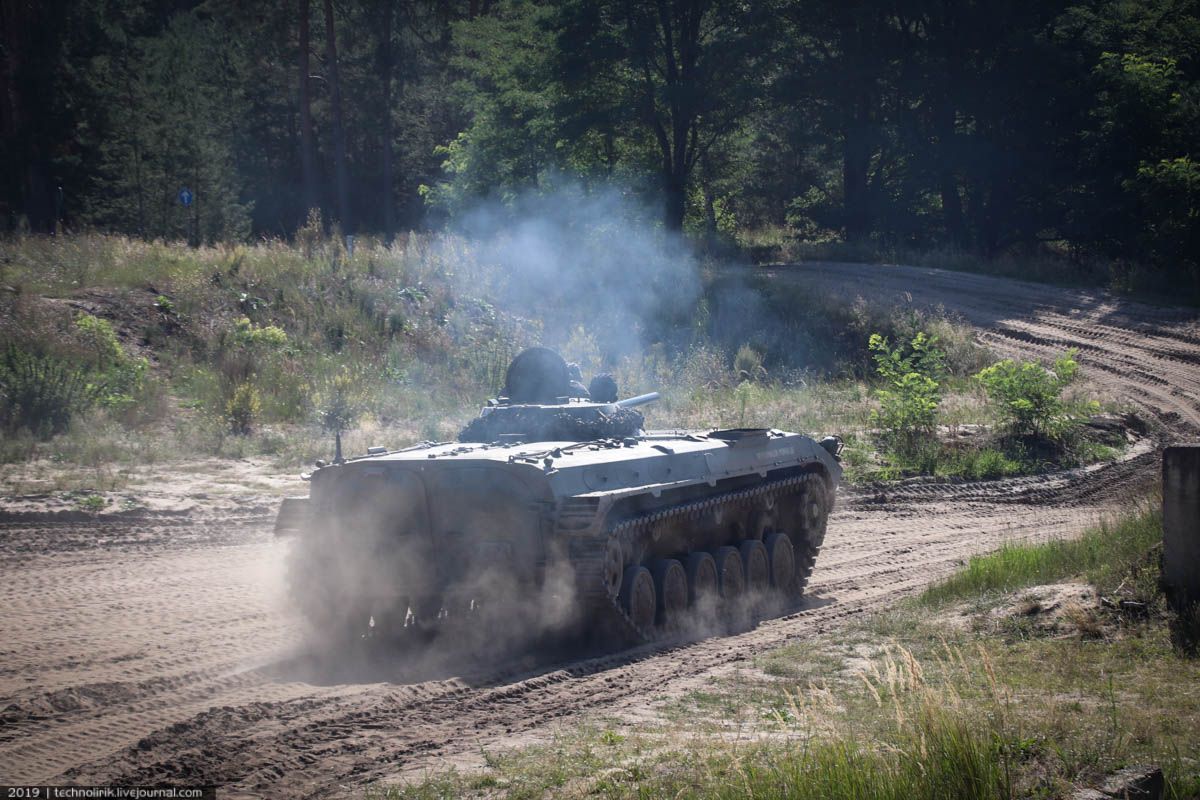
[258, 336]
[900, 705]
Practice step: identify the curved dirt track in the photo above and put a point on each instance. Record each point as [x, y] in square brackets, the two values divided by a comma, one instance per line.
[167, 654]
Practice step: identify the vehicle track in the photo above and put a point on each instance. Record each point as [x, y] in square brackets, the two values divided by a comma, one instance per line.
[156, 650]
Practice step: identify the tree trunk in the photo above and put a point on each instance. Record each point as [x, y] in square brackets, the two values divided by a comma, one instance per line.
[307, 158]
[998, 216]
[385, 146]
[952, 212]
[710, 198]
[339, 131]
[856, 162]
[676, 202]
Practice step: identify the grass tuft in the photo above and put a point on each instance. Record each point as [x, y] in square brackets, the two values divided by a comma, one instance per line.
[1104, 555]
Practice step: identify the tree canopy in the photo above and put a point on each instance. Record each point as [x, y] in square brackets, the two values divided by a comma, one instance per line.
[990, 127]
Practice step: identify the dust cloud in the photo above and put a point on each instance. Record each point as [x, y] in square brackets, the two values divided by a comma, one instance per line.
[573, 258]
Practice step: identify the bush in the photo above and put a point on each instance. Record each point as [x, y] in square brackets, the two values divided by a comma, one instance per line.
[908, 406]
[100, 340]
[342, 400]
[42, 393]
[242, 408]
[118, 378]
[267, 337]
[1030, 396]
[748, 364]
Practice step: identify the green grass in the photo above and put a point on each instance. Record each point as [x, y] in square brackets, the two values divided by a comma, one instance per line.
[969, 763]
[901, 704]
[988, 458]
[1103, 555]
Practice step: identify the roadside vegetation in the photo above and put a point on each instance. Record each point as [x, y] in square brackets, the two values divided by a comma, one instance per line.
[1117, 555]
[980, 688]
[1034, 421]
[115, 351]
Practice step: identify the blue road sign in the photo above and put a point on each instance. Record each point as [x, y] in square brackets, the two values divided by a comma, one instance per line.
[185, 196]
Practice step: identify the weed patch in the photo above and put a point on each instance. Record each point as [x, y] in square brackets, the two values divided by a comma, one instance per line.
[1105, 555]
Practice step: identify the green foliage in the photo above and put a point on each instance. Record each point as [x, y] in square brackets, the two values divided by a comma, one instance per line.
[118, 380]
[42, 393]
[99, 338]
[92, 503]
[512, 93]
[1110, 554]
[909, 403]
[1170, 189]
[123, 384]
[242, 408]
[170, 122]
[342, 400]
[990, 463]
[265, 338]
[1071, 138]
[46, 382]
[1030, 396]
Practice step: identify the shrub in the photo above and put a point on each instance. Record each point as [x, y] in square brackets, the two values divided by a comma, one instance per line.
[266, 337]
[118, 378]
[1030, 396]
[341, 401]
[311, 234]
[123, 384]
[100, 339]
[242, 408]
[908, 405]
[748, 364]
[42, 393]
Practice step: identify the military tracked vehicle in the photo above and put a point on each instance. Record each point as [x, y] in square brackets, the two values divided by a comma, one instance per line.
[556, 492]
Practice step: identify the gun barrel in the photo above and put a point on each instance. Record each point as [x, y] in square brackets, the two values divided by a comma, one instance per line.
[640, 400]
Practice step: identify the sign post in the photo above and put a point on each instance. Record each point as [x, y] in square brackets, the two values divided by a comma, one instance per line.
[1181, 524]
[186, 198]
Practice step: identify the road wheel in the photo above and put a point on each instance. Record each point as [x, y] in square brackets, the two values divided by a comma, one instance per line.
[614, 569]
[815, 507]
[757, 565]
[670, 590]
[812, 517]
[637, 596]
[702, 581]
[783, 562]
[731, 580]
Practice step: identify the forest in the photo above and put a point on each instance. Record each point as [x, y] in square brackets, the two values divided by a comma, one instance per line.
[1010, 127]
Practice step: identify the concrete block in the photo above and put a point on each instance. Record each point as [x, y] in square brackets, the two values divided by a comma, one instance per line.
[1181, 523]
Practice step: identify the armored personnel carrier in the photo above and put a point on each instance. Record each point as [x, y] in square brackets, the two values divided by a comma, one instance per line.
[556, 492]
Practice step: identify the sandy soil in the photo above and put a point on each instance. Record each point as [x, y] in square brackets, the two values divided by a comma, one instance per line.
[157, 646]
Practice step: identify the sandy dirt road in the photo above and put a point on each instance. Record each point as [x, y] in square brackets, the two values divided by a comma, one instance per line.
[159, 648]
